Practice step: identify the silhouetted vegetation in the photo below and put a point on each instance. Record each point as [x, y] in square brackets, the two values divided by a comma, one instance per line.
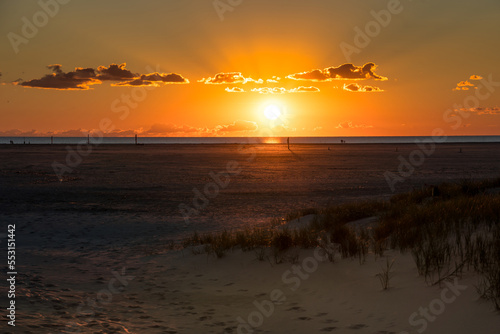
[448, 229]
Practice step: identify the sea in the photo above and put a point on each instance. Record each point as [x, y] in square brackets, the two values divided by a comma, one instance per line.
[244, 140]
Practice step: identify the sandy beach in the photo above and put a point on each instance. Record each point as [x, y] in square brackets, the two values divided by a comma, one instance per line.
[93, 250]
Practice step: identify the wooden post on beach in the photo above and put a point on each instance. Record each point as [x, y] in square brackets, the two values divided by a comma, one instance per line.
[88, 139]
[136, 139]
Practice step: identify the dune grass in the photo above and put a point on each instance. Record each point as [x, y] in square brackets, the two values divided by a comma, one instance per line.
[449, 229]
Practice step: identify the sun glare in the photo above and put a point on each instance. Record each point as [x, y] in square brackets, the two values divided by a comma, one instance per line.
[272, 112]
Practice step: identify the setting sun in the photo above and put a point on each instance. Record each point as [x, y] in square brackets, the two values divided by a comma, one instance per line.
[272, 112]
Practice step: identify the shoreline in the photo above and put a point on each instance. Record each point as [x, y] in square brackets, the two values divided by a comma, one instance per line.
[247, 144]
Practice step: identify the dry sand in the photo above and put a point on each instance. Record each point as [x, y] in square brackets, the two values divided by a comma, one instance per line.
[92, 250]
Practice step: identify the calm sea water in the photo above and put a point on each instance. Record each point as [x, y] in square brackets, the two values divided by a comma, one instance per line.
[246, 140]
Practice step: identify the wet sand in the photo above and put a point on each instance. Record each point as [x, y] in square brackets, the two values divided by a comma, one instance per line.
[153, 180]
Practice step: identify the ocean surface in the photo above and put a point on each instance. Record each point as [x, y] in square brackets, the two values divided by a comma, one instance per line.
[245, 140]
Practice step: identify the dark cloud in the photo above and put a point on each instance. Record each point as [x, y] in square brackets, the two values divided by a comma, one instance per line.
[153, 79]
[135, 83]
[475, 77]
[229, 78]
[56, 68]
[79, 79]
[345, 71]
[354, 87]
[115, 73]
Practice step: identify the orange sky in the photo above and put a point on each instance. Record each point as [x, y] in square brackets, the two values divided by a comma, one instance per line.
[415, 66]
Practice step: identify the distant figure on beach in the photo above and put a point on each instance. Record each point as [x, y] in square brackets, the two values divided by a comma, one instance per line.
[288, 142]
[435, 191]
[329, 148]
[12, 142]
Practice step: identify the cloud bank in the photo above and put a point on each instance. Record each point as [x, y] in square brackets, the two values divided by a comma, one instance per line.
[83, 78]
[354, 87]
[342, 72]
[229, 78]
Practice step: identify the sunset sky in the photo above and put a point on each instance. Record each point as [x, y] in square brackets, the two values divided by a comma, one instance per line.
[249, 68]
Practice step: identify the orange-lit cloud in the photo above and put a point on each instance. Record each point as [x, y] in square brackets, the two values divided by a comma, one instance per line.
[274, 79]
[168, 129]
[302, 89]
[269, 90]
[156, 130]
[351, 125]
[79, 79]
[482, 110]
[345, 71]
[229, 78]
[35, 133]
[281, 90]
[466, 85]
[237, 126]
[234, 90]
[354, 87]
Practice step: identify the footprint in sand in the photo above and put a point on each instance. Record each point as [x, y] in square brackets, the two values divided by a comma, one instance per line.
[304, 318]
[328, 329]
[296, 308]
[357, 326]
[330, 321]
